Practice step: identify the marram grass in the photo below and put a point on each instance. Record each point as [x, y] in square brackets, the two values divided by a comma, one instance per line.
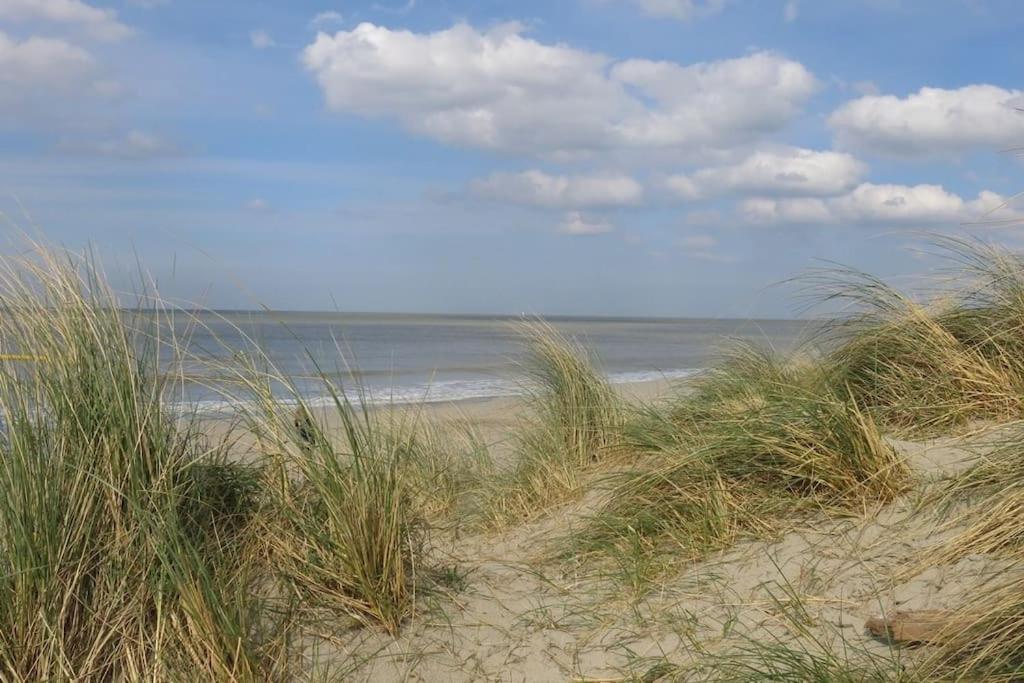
[124, 537]
[935, 364]
[573, 423]
[754, 442]
[984, 638]
[343, 532]
[131, 547]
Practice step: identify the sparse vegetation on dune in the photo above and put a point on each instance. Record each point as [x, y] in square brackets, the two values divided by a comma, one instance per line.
[939, 364]
[755, 441]
[134, 546]
[983, 637]
[574, 422]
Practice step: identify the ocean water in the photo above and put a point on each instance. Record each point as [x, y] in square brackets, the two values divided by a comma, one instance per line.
[408, 358]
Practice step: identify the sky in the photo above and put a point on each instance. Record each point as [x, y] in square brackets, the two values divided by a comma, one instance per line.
[587, 157]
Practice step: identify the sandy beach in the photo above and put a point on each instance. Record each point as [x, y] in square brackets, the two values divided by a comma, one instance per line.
[846, 515]
[520, 616]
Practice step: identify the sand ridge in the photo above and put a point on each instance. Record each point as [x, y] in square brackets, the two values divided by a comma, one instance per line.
[517, 616]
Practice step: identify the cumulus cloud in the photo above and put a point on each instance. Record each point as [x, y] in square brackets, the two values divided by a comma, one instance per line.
[577, 223]
[500, 90]
[790, 171]
[41, 65]
[100, 23]
[870, 204]
[536, 188]
[932, 121]
[683, 10]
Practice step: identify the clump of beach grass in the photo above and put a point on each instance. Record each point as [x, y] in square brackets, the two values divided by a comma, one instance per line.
[753, 442]
[574, 421]
[938, 364]
[984, 637]
[449, 465]
[344, 534]
[797, 646]
[125, 547]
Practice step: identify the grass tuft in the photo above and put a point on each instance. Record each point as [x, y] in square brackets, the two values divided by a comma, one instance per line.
[124, 537]
[755, 441]
[573, 423]
[936, 365]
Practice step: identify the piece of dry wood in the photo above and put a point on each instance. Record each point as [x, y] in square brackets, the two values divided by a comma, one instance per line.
[912, 627]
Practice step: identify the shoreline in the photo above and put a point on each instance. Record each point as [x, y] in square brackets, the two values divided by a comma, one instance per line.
[492, 416]
[485, 390]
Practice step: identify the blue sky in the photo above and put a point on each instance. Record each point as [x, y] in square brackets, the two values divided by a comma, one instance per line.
[596, 157]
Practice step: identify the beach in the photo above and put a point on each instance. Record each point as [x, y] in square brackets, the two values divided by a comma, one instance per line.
[577, 341]
[763, 508]
[519, 614]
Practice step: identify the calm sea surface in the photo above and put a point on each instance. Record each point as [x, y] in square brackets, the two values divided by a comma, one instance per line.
[403, 358]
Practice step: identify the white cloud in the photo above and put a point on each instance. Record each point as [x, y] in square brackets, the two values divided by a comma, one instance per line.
[791, 11]
[134, 145]
[932, 121]
[789, 171]
[576, 223]
[501, 90]
[260, 39]
[100, 23]
[683, 10]
[870, 204]
[326, 19]
[536, 188]
[41, 65]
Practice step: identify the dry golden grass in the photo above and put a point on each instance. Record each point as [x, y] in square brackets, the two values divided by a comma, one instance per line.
[574, 423]
[755, 441]
[125, 540]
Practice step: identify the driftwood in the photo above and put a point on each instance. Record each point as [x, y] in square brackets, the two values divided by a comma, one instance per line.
[913, 627]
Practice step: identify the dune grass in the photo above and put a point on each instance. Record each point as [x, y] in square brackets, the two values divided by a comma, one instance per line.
[754, 442]
[342, 532]
[573, 422]
[449, 466]
[124, 537]
[932, 365]
[133, 547]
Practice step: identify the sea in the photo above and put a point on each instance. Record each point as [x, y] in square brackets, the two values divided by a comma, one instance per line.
[402, 358]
